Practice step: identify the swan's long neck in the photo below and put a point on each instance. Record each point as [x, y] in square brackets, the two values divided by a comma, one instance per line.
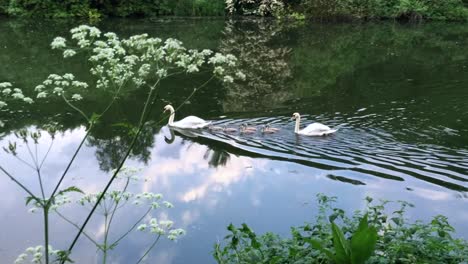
[298, 124]
[171, 117]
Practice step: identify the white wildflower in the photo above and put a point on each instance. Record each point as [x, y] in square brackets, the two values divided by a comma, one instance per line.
[218, 70]
[240, 75]
[161, 73]
[18, 95]
[39, 88]
[42, 95]
[3, 104]
[77, 97]
[157, 230]
[69, 53]
[69, 76]
[154, 205]
[58, 90]
[28, 100]
[168, 204]
[5, 84]
[58, 43]
[228, 79]
[192, 68]
[166, 223]
[6, 91]
[141, 227]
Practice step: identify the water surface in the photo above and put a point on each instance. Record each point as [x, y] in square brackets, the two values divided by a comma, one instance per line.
[396, 92]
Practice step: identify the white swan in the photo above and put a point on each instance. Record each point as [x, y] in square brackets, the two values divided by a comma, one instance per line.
[314, 129]
[192, 122]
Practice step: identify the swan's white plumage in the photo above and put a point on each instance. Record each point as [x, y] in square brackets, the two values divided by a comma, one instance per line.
[189, 122]
[314, 129]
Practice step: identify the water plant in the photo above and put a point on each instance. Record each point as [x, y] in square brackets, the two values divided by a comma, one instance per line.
[117, 66]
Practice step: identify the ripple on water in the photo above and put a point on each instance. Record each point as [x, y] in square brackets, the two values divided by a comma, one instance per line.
[362, 150]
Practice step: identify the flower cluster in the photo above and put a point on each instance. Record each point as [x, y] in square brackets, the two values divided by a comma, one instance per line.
[8, 92]
[61, 85]
[161, 228]
[138, 58]
[36, 254]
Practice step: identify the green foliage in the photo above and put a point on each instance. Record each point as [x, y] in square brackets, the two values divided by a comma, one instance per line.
[95, 9]
[371, 237]
[399, 9]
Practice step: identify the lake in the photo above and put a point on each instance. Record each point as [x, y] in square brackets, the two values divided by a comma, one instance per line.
[397, 92]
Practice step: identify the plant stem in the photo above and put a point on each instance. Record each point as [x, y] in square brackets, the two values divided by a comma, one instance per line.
[75, 225]
[106, 231]
[149, 249]
[140, 128]
[69, 164]
[46, 233]
[19, 184]
[136, 223]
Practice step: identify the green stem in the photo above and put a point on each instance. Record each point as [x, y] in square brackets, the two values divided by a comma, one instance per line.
[75, 225]
[75, 108]
[140, 128]
[47, 154]
[149, 249]
[133, 227]
[46, 233]
[69, 164]
[106, 230]
[20, 184]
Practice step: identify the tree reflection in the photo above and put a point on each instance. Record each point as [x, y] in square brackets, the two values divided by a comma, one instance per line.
[265, 65]
[111, 148]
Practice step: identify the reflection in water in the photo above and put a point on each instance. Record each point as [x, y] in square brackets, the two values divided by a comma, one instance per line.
[396, 91]
[265, 65]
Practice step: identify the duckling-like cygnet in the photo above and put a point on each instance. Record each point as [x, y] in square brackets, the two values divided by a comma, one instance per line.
[268, 126]
[244, 130]
[215, 128]
[246, 127]
[268, 130]
[229, 129]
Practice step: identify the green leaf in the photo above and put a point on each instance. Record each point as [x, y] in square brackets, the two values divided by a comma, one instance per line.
[70, 189]
[341, 245]
[318, 245]
[29, 199]
[363, 242]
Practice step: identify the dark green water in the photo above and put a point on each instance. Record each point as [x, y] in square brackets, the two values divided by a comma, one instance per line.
[397, 92]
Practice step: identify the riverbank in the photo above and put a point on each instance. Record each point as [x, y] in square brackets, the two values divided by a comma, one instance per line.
[414, 10]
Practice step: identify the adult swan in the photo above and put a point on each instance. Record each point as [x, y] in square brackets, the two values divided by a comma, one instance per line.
[190, 122]
[314, 129]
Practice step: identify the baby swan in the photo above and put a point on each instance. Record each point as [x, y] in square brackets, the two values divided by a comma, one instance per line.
[246, 127]
[229, 129]
[215, 128]
[244, 130]
[268, 126]
[268, 130]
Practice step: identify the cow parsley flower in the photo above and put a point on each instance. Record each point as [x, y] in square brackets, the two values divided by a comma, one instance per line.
[141, 227]
[18, 95]
[58, 43]
[3, 104]
[168, 204]
[77, 97]
[28, 100]
[228, 79]
[6, 91]
[69, 53]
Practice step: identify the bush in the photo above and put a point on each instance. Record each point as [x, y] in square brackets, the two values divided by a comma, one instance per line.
[400, 9]
[372, 236]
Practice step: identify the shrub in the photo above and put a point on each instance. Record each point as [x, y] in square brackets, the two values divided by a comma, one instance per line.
[372, 236]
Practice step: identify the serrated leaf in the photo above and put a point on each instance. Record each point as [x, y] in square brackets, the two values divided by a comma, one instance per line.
[70, 189]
